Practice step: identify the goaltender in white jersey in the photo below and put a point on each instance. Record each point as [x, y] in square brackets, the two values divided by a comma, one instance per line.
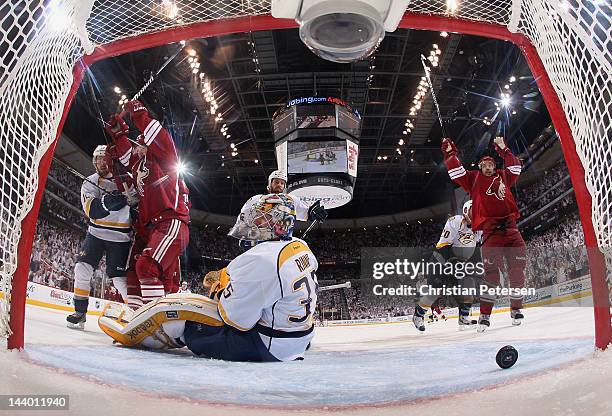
[262, 304]
[277, 183]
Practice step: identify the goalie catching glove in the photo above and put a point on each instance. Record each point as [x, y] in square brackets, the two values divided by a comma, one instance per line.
[216, 281]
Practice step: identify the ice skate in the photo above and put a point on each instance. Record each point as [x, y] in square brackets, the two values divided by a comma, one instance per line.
[417, 318]
[517, 317]
[466, 323]
[483, 322]
[76, 320]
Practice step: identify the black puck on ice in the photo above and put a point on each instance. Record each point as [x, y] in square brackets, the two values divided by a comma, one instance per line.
[506, 357]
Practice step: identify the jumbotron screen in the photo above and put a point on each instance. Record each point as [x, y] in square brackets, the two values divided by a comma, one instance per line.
[316, 157]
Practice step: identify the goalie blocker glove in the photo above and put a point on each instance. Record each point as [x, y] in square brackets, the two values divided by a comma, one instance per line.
[316, 212]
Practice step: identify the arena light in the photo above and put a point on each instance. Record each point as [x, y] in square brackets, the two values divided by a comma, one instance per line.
[444, 34]
[256, 161]
[169, 9]
[452, 6]
[181, 167]
[58, 19]
[506, 101]
[512, 78]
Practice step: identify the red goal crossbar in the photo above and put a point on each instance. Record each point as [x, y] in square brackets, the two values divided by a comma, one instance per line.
[603, 326]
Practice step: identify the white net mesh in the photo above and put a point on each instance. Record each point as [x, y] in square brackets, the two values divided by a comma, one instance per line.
[39, 45]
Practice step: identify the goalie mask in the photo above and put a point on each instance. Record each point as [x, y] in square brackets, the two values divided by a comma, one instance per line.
[270, 218]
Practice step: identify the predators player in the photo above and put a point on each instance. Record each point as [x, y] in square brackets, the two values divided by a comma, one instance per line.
[458, 243]
[261, 310]
[277, 184]
[109, 232]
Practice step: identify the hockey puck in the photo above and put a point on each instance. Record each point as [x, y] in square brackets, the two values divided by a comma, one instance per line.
[506, 357]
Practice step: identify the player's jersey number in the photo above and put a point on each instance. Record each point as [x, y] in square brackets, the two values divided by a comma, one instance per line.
[299, 285]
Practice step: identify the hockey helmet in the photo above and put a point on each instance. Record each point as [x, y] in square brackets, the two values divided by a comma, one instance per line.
[485, 159]
[99, 152]
[466, 209]
[277, 174]
[271, 217]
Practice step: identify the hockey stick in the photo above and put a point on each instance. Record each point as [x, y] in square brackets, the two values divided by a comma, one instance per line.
[154, 76]
[433, 94]
[344, 285]
[79, 174]
[310, 227]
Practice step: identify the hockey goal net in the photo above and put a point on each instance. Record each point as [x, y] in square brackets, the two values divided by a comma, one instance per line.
[46, 44]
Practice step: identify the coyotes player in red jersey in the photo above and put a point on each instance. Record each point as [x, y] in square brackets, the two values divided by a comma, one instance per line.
[162, 232]
[494, 211]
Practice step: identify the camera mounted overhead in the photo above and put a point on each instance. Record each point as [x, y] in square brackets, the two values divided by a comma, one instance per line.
[342, 30]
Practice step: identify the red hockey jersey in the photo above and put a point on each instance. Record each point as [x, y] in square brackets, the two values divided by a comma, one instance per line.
[491, 195]
[163, 194]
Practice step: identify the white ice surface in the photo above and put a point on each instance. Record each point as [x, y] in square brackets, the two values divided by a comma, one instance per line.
[374, 369]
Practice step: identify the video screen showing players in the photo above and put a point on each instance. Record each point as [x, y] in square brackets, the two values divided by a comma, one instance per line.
[316, 116]
[314, 157]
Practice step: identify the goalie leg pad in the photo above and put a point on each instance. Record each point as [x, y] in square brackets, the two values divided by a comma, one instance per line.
[158, 324]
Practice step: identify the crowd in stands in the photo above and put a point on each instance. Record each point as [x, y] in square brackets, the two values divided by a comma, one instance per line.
[553, 183]
[550, 259]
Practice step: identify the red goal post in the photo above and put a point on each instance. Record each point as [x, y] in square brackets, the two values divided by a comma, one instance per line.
[42, 62]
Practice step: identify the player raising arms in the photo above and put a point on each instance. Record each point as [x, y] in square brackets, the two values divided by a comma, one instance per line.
[494, 211]
[162, 232]
[109, 232]
[261, 309]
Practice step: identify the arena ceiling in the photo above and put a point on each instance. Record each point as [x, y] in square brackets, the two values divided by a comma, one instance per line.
[254, 74]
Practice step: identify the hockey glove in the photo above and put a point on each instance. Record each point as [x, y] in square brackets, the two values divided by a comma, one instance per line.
[500, 145]
[114, 201]
[135, 108]
[216, 281]
[448, 147]
[116, 127]
[316, 212]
